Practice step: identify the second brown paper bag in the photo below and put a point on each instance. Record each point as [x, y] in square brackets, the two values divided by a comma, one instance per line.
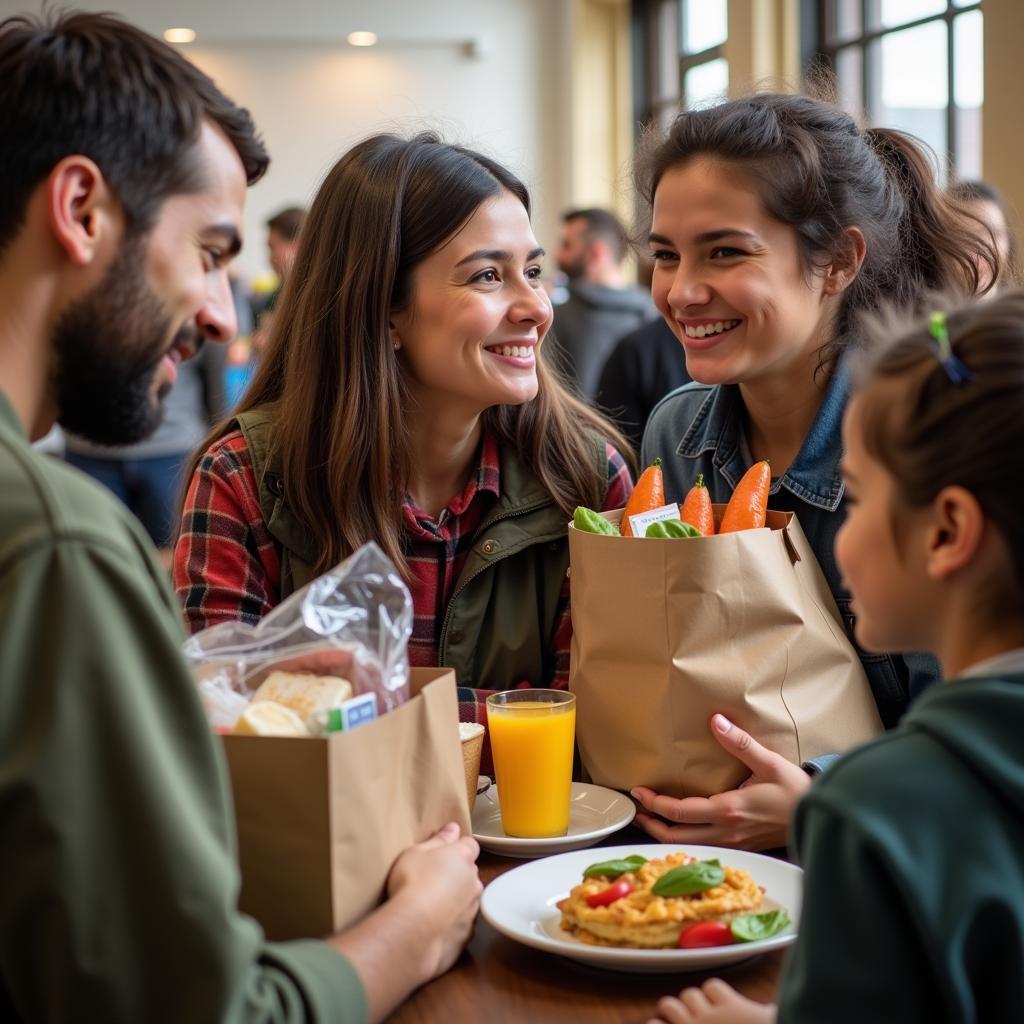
[668, 632]
[321, 820]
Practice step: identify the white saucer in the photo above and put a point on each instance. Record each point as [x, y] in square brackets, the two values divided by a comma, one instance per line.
[522, 904]
[594, 812]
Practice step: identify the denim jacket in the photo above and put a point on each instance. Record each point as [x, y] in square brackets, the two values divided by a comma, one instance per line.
[699, 429]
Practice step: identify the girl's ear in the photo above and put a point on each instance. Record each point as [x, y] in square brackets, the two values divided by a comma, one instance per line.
[955, 534]
[846, 266]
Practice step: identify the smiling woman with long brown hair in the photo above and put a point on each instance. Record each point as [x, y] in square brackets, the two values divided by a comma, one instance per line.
[404, 398]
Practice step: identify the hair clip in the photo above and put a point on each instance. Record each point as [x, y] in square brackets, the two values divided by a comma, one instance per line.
[954, 367]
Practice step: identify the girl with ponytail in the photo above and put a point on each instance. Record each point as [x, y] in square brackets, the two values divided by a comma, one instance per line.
[777, 222]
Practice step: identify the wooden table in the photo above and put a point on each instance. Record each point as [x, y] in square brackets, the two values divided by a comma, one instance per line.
[498, 981]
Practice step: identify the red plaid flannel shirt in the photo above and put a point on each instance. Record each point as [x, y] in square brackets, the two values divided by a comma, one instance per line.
[227, 566]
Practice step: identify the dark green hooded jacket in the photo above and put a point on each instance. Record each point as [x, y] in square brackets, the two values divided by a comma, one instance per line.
[913, 848]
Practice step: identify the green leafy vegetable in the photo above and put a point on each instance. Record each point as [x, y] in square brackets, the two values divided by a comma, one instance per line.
[668, 529]
[689, 879]
[589, 521]
[751, 927]
[614, 868]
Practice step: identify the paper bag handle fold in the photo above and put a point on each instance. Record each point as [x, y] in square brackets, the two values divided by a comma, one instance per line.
[794, 555]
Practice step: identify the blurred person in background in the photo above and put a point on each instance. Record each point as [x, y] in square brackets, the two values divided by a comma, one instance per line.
[988, 212]
[643, 368]
[601, 306]
[239, 363]
[283, 230]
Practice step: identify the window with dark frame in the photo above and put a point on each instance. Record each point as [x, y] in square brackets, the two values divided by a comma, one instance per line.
[909, 64]
[679, 56]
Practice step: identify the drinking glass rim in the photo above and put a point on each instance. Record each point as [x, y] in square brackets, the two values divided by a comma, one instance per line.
[560, 699]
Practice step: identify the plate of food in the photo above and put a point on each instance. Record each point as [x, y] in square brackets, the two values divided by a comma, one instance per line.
[649, 908]
[594, 812]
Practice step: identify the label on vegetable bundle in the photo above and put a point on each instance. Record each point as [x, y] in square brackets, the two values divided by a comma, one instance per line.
[639, 523]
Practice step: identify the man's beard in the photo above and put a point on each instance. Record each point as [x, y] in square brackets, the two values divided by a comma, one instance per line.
[575, 270]
[108, 345]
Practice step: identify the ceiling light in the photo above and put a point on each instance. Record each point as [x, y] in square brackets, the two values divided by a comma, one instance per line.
[361, 38]
[180, 35]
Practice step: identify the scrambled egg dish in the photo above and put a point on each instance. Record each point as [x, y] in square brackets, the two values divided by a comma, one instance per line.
[644, 920]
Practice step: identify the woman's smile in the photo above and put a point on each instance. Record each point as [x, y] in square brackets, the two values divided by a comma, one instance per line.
[520, 354]
[700, 335]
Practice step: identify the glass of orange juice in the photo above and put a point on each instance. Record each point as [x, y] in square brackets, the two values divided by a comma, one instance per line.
[531, 740]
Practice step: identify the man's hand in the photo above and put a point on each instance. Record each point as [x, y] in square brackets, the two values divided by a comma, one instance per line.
[753, 817]
[437, 881]
[433, 895]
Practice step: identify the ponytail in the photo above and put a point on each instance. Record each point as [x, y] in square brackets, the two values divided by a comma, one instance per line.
[938, 247]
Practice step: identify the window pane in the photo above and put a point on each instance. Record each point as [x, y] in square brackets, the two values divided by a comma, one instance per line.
[706, 83]
[967, 60]
[843, 20]
[667, 52]
[704, 24]
[850, 75]
[969, 93]
[899, 12]
[916, 103]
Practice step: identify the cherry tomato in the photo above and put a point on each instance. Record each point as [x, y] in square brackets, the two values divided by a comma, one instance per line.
[614, 892]
[705, 933]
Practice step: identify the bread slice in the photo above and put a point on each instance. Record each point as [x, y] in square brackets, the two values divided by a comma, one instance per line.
[268, 718]
[304, 693]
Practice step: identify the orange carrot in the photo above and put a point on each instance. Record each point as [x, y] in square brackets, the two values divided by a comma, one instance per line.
[648, 494]
[697, 510]
[748, 505]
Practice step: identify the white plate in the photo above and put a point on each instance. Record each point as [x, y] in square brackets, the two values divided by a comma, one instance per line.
[521, 904]
[594, 812]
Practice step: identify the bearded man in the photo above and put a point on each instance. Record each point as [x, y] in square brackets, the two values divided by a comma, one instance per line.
[124, 174]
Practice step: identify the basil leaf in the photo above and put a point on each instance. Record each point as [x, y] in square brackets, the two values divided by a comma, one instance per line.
[689, 879]
[751, 927]
[614, 868]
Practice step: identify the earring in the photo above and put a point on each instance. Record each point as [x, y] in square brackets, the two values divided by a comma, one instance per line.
[396, 344]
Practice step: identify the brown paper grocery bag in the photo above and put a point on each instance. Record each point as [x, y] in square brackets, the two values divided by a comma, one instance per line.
[667, 632]
[321, 820]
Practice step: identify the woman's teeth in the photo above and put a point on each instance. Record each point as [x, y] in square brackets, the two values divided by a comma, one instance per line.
[708, 329]
[520, 351]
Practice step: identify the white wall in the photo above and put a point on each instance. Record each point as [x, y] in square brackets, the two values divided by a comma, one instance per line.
[312, 95]
[313, 102]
